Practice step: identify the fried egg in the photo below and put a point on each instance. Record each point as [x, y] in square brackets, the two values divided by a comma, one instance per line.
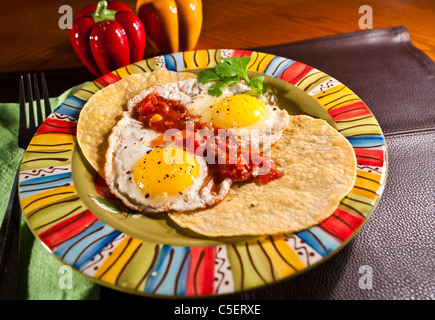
[150, 178]
[244, 115]
[252, 120]
[152, 174]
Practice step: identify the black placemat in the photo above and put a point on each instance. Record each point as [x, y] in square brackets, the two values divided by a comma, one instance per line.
[397, 82]
[382, 66]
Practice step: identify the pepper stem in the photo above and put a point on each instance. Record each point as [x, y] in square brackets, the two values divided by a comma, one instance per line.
[102, 13]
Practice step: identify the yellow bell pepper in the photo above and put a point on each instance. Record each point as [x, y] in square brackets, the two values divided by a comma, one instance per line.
[171, 25]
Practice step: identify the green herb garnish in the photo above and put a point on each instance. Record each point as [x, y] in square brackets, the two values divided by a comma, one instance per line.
[230, 71]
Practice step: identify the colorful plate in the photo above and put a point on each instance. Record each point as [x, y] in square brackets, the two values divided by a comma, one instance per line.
[64, 204]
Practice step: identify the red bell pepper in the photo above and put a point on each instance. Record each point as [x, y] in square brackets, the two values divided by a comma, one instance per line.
[107, 36]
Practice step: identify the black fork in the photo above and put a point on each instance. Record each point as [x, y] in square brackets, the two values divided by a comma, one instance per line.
[10, 229]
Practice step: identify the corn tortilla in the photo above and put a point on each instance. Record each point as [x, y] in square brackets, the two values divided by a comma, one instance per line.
[319, 168]
[104, 109]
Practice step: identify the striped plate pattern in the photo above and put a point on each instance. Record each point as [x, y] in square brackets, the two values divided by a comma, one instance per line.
[60, 220]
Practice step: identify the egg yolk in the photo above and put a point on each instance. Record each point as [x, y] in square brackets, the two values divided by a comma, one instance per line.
[165, 172]
[237, 111]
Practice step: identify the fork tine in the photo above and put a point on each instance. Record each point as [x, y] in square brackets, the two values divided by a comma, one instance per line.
[38, 101]
[45, 95]
[30, 101]
[23, 123]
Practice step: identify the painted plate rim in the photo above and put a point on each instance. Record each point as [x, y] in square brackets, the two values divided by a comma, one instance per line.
[76, 237]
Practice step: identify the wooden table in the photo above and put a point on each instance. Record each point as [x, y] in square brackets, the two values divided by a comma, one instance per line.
[32, 40]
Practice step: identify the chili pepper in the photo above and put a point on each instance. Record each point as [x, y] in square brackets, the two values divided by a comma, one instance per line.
[171, 25]
[107, 36]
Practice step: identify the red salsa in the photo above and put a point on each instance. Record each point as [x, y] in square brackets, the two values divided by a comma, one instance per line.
[161, 114]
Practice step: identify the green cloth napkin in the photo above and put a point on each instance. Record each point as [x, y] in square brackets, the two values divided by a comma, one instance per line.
[41, 274]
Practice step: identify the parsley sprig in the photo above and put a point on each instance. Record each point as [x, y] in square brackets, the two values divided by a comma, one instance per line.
[230, 71]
